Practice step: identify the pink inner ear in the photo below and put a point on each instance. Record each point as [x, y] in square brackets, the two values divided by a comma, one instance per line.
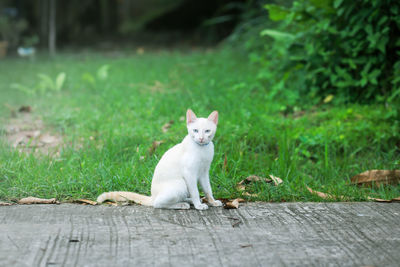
[190, 116]
[213, 117]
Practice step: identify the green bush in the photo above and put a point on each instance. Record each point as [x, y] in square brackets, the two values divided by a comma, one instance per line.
[348, 49]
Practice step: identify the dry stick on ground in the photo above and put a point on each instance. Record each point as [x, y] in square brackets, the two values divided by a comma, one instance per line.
[396, 199]
[5, 204]
[325, 195]
[85, 201]
[35, 200]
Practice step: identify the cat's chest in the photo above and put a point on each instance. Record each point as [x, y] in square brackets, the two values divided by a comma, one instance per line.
[198, 159]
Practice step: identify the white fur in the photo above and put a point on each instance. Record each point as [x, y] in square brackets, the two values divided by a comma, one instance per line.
[180, 169]
[177, 174]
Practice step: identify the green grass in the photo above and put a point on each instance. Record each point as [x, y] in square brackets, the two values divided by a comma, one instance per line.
[321, 147]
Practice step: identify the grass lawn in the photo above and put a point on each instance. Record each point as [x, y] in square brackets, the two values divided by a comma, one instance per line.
[109, 121]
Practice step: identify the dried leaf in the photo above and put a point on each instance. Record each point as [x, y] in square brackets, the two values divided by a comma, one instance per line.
[247, 194]
[325, 195]
[231, 204]
[276, 180]
[378, 177]
[328, 98]
[154, 146]
[166, 126]
[35, 200]
[241, 200]
[380, 199]
[241, 186]
[396, 199]
[5, 204]
[320, 194]
[111, 203]
[223, 200]
[225, 163]
[204, 200]
[254, 178]
[234, 204]
[26, 109]
[140, 51]
[246, 246]
[85, 201]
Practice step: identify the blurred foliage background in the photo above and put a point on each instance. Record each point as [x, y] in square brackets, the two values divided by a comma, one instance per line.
[307, 51]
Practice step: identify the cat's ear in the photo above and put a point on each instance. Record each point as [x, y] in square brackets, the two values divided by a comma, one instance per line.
[213, 117]
[190, 116]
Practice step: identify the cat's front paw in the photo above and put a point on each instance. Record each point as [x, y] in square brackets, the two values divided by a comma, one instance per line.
[216, 203]
[201, 207]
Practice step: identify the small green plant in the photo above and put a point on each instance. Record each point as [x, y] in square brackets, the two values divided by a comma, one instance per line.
[45, 84]
[101, 75]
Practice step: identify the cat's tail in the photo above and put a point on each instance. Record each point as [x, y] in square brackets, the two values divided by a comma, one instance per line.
[119, 196]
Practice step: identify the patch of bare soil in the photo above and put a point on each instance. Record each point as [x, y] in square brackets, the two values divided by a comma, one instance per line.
[27, 133]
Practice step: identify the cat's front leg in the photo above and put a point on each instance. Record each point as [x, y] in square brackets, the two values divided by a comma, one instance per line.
[205, 184]
[191, 183]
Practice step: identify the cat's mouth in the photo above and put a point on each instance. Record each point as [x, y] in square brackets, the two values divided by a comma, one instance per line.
[202, 143]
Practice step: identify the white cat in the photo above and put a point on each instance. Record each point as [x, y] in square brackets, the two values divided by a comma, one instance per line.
[175, 178]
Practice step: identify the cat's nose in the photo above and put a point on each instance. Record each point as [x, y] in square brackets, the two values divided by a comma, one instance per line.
[201, 139]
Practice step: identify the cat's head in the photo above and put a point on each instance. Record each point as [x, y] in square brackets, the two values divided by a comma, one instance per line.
[201, 130]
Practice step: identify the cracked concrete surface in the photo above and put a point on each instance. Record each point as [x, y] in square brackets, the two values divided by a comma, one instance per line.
[256, 234]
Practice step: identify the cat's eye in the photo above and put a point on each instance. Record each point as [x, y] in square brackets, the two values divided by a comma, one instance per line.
[195, 130]
[207, 131]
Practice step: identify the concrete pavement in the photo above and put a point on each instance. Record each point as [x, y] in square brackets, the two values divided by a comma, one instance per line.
[256, 234]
